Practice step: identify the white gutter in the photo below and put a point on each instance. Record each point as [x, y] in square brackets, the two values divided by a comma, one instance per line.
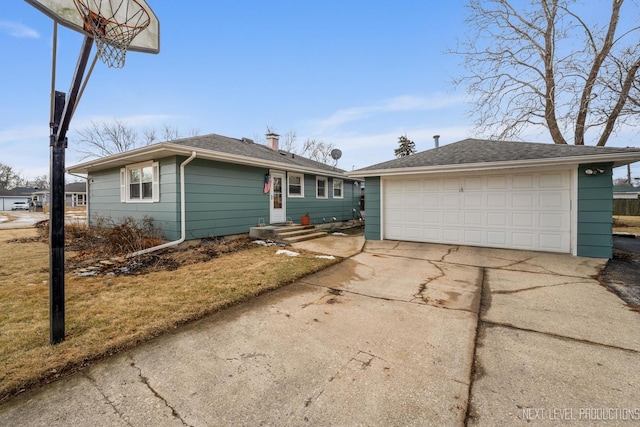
[183, 219]
[164, 149]
[513, 164]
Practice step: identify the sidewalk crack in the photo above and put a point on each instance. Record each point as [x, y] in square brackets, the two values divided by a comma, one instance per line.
[94, 383]
[145, 380]
[560, 337]
[515, 291]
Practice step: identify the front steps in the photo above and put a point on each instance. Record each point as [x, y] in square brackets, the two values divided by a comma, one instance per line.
[287, 233]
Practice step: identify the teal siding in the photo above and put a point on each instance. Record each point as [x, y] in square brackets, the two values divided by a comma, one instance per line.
[372, 203]
[324, 210]
[595, 212]
[104, 194]
[221, 199]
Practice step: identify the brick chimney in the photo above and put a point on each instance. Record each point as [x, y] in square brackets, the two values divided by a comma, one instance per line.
[273, 141]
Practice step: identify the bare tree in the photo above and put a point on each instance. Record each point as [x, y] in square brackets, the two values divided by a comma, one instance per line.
[319, 151]
[107, 138]
[289, 141]
[539, 63]
[40, 182]
[9, 178]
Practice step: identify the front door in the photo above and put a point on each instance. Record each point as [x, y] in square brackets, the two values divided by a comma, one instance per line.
[277, 198]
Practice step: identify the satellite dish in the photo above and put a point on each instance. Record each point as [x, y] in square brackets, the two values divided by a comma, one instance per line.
[336, 154]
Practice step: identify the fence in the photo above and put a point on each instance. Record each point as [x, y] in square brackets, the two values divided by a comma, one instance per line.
[626, 207]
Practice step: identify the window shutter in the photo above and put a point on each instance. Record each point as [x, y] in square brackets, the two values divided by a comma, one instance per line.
[156, 182]
[123, 185]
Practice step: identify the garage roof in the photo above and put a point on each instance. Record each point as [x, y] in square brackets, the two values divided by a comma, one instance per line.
[479, 154]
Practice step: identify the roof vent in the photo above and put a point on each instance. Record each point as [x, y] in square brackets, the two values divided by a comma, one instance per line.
[436, 140]
[247, 140]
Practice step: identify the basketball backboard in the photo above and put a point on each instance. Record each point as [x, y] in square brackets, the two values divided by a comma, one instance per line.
[66, 12]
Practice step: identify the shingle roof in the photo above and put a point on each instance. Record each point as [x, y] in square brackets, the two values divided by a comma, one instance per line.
[247, 148]
[483, 151]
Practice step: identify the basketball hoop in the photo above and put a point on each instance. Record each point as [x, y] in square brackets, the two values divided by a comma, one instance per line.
[113, 25]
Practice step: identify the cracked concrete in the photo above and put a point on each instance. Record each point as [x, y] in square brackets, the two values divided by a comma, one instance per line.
[399, 334]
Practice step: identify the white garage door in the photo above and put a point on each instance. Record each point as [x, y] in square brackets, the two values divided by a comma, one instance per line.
[521, 211]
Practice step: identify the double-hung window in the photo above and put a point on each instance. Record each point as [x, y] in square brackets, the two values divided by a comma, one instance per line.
[296, 185]
[337, 188]
[139, 183]
[321, 187]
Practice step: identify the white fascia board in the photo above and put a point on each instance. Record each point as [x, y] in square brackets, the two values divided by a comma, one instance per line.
[618, 159]
[167, 149]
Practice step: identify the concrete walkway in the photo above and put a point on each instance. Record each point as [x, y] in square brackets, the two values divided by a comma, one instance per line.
[399, 334]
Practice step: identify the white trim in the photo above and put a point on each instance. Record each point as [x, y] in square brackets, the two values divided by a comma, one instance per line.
[560, 162]
[301, 176]
[273, 219]
[155, 184]
[573, 235]
[326, 187]
[166, 149]
[333, 188]
[381, 207]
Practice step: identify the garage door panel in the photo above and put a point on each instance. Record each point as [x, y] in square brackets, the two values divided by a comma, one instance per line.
[451, 235]
[523, 211]
[497, 200]
[472, 201]
[473, 218]
[497, 182]
[523, 240]
[522, 182]
[473, 237]
[551, 241]
[452, 217]
[498, 219]
[496, 238]
[451, 200]
[523, 200]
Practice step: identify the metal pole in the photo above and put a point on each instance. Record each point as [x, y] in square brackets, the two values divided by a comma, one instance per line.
[63, 112]
[56, 227]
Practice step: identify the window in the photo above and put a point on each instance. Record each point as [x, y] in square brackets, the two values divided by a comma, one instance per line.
[139, 183]
[296, 185]
[337, 188]
[321, 188]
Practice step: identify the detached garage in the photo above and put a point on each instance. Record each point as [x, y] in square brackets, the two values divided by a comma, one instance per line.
[500, 194]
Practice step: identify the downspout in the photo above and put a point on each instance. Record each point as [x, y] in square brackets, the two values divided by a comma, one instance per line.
[183, 220]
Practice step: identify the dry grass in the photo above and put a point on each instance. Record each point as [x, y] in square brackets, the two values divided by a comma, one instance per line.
[105, 315]
[626, 224]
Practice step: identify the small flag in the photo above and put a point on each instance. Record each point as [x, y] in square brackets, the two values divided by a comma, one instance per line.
[267, 183]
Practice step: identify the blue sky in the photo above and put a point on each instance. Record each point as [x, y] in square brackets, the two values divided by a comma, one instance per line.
[357, 74]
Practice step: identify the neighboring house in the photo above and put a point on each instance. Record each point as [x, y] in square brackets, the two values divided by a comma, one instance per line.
[75, 194]
[500, 194]
[219, 185]
[18, 194]
[625, 192]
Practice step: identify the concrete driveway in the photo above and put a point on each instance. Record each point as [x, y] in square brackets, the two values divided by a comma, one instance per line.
[399, 334]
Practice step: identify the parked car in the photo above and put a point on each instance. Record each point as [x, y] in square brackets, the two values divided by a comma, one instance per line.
[20, 206]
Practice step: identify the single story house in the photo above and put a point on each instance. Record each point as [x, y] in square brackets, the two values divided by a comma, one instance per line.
[75, 194]
[213, 185]
[500, 194]
[18, 194]
[626, 192]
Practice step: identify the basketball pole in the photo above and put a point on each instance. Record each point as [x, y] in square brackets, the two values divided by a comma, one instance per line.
[63, 111]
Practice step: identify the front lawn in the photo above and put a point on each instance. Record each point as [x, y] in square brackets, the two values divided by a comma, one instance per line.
[109, 313]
